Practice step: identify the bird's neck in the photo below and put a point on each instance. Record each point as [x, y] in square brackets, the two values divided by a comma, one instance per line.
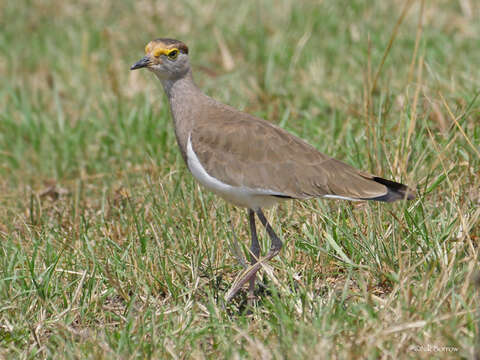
[185, 100]
[178, 86]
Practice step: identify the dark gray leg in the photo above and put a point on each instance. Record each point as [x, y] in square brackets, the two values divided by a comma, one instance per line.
[252, 270]
[254, 253]
[276, 242]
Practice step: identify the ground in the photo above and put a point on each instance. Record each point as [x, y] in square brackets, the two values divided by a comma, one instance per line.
[109, 249]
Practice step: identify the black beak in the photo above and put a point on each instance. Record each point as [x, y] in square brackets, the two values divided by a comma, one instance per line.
[141, 63]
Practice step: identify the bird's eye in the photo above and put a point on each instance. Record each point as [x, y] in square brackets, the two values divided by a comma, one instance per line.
[173, 54]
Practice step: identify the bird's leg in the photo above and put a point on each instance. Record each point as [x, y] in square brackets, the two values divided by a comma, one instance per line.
[254, 254]
[276, 242]
[252, 270]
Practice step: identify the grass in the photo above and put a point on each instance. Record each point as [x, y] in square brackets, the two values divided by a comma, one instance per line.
[110, 250]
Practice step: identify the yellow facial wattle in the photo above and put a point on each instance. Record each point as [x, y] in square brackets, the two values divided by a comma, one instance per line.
[162, 51]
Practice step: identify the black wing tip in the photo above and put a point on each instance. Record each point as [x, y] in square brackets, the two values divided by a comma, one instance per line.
[395, 191]
[283, 196]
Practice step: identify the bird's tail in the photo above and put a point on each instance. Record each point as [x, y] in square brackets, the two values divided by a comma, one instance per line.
[396, 191]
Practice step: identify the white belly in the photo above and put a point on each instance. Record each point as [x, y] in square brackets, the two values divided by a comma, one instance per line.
[237, 195]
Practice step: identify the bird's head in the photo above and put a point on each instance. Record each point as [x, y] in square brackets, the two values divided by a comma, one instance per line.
[167, 58]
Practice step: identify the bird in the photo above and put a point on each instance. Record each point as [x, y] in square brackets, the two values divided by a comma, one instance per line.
[248, 161]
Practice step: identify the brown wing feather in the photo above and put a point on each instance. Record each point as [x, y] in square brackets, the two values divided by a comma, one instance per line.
[242, 150]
